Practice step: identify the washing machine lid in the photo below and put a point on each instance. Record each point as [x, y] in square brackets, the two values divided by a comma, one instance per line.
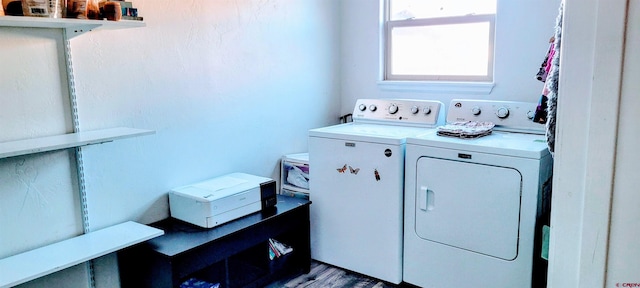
[523, 145]
[375, 133]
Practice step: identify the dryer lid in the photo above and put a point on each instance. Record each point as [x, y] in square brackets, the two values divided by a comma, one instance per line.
[532, 146]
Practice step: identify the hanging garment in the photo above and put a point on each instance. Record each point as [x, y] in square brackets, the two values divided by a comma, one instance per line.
[540, 115]
[546, 64]
[552, 83]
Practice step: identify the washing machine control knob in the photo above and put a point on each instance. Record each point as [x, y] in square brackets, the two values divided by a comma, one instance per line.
[426, 110]
[373, 108]
[415, 110]
[393, 109]
[362, 107]
[503, 112]
[476, 110]
[531, 114]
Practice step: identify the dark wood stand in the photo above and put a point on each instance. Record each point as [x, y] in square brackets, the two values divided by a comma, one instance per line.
[234, 254]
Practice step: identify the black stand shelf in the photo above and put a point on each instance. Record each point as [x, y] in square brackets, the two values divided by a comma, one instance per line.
[234, 254]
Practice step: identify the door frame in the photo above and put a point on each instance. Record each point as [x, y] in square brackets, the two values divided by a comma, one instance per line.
[588, 107]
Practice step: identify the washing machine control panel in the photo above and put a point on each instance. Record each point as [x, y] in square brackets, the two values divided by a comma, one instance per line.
[427, 113]
[507, 115]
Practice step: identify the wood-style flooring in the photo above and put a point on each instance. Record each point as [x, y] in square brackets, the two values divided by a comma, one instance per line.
[327, 276]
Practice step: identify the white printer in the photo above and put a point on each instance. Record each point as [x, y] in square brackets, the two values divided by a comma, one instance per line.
[222, 199]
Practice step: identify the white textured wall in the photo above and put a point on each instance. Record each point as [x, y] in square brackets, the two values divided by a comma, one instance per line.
[523, 30]
[228, 86]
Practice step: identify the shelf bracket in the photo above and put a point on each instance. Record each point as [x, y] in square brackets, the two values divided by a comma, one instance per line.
[79, 30]
[78, 150]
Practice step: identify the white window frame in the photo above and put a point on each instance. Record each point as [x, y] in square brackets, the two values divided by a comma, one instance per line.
[434, 83]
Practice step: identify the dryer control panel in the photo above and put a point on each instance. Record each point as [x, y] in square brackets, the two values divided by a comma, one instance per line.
[406, 112]
[506, 115]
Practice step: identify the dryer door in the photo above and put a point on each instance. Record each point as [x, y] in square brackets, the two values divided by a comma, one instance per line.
[470, 206]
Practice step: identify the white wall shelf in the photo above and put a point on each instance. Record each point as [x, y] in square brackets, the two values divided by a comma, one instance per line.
[73, 26]
[58, 142]
[45, 260]
[48, 259]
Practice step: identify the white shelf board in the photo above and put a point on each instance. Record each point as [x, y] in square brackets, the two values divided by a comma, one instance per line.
[67, 23]
[42, 261]
[58, 142]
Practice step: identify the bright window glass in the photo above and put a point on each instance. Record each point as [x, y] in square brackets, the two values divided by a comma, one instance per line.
[440, 40]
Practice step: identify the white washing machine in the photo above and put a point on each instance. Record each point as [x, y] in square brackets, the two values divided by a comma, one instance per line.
[471, 204]
[357, 181]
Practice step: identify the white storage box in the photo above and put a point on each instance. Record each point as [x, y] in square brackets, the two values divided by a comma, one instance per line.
[294, 175]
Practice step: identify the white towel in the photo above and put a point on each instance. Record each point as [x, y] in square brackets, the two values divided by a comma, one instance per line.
[470, 129]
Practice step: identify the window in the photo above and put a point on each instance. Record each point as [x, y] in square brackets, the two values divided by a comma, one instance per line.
[439, 40]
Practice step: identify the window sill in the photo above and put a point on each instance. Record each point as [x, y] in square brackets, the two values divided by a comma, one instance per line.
[438, 87]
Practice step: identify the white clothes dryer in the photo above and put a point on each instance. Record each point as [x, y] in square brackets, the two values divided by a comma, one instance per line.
[357, 183]
[471, 204]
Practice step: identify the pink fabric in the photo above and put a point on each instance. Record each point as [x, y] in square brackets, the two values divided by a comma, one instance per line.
[552, 51]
